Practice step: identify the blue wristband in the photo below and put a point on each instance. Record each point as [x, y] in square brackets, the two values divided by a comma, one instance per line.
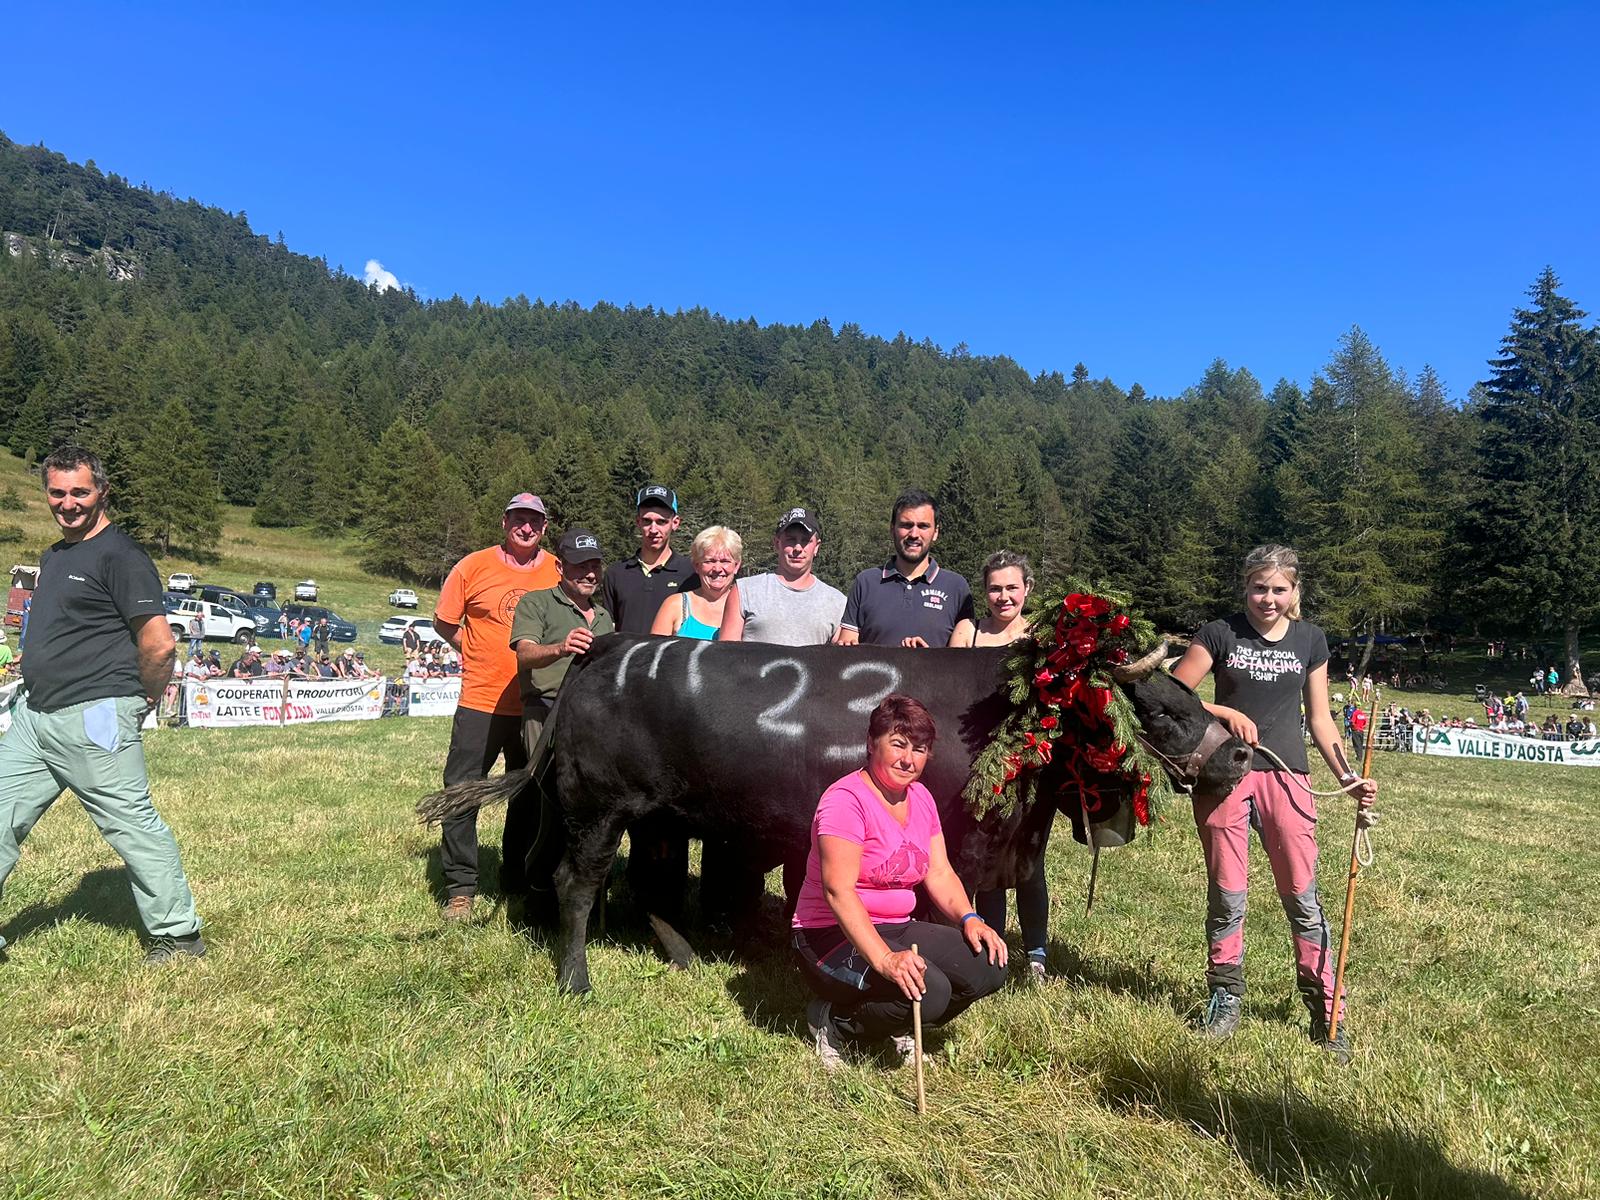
[971, 916]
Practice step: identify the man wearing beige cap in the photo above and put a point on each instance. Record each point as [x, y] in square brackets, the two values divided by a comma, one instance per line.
[474, 616]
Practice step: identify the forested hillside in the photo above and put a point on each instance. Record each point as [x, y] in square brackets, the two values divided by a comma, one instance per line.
[205, 362]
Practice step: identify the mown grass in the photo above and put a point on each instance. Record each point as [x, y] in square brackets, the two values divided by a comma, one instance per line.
[339, 1041]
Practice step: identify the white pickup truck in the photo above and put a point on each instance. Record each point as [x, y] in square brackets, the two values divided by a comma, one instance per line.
[402, 598]
[225, 623]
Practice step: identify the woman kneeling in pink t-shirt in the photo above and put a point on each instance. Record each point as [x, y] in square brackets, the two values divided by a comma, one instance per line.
[876, 836]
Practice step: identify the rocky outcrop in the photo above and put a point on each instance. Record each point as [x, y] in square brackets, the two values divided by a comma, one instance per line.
[117, 266]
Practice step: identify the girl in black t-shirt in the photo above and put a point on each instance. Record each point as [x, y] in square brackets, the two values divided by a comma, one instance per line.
[1268, 663]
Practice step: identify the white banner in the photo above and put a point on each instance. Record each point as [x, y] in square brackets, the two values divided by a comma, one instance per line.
[433, 697]
[226, 703]
[1504, 747]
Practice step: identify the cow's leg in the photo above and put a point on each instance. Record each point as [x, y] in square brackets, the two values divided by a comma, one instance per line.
[584, 869]
[658, 870]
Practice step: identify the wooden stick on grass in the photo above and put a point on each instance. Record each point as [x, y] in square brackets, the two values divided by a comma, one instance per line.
[916, 1041]
[1349, 897]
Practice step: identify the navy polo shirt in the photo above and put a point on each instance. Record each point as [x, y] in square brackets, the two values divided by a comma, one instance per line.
[633, 595]
[885, 607]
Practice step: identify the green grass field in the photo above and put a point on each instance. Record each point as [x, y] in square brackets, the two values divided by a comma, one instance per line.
[338, 1041]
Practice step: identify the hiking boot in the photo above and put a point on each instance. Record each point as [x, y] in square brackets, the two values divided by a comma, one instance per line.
[457, 909]
[169, 949]
[905, 1046]
[1222, 1014]
[1338, 1047]
[825, 1034]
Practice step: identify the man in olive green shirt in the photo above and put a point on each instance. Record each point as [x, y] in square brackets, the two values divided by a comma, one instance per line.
[552, 625]
[548, 629]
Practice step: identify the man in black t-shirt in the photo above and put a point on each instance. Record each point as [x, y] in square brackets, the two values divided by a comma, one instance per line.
[100, 651]
[633, 589]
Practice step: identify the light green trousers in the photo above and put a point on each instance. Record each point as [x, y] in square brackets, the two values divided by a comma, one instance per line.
[96, 749]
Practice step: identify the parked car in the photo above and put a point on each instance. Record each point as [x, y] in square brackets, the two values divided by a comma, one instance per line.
[217, 594]
[265, 614]
[306, 589]
[180, 581]
[221, 621]
[402, 598]
[267, 591]
[394, 629]
[340, 629]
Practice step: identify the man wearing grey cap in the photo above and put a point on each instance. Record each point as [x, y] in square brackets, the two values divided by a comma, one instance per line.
[548, 630]
[789, 606]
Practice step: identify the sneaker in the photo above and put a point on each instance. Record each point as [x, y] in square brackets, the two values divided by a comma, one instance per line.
[1338, 1047]
[458, 909]
[169, 949]
[1036, 972]
[825, 1034]
[905, 1045]
[1222, 1014]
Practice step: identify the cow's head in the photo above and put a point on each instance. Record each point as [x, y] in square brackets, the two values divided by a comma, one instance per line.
[1200, 755]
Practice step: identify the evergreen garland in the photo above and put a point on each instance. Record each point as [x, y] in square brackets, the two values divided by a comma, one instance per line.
[1066, 708]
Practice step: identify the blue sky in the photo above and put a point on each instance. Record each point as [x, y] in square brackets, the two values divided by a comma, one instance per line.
[1143, 189]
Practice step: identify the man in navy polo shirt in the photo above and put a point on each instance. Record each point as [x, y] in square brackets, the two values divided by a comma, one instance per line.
[911, 600]
[634, 588]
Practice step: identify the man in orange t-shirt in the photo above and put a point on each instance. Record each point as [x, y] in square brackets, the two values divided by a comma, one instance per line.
[474, 615]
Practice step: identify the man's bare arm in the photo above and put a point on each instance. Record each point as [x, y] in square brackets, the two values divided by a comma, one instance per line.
[450, 633]
[157, 649]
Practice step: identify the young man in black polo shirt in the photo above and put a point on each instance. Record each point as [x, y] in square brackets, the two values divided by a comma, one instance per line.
[634, 588]
[911, 600]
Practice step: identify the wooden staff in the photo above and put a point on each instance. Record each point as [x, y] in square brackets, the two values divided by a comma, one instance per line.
[1350, 890]
[916, 1041]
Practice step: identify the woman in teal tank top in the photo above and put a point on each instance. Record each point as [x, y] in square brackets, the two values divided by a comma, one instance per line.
[716, 553]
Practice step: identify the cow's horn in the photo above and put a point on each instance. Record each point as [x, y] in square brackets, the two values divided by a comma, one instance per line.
[1140, 668]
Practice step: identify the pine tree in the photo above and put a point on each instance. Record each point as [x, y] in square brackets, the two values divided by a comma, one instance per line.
[1529, 531]
[1352, 498]
[1145, 544]
[171, 496]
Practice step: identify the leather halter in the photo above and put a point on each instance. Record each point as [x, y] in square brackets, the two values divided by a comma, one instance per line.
[1185, 770]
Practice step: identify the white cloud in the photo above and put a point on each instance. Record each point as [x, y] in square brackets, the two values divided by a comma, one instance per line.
[376, 276]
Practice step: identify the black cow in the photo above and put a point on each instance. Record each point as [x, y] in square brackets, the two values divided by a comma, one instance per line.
[737, 741]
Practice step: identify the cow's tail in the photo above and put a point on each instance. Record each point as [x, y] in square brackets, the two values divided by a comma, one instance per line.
[460, 798]
[453, 801]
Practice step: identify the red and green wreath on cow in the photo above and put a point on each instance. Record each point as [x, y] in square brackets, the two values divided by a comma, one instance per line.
[1067, 711]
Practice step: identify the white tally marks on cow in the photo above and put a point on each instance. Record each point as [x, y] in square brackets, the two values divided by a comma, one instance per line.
[776, 718]
[700, 648]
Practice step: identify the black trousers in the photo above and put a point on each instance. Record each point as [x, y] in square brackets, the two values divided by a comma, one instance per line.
[476, 740]
[868, 1006]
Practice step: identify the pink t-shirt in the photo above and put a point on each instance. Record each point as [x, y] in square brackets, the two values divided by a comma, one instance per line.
[893, 859]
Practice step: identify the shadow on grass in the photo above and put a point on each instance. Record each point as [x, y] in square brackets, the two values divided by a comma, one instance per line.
[102, 896]
[1290, 1143]
[488, 871]
[1138, 979]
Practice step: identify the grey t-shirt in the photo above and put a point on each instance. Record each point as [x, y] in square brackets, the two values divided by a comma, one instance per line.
[1265, 680]
[784, 616]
